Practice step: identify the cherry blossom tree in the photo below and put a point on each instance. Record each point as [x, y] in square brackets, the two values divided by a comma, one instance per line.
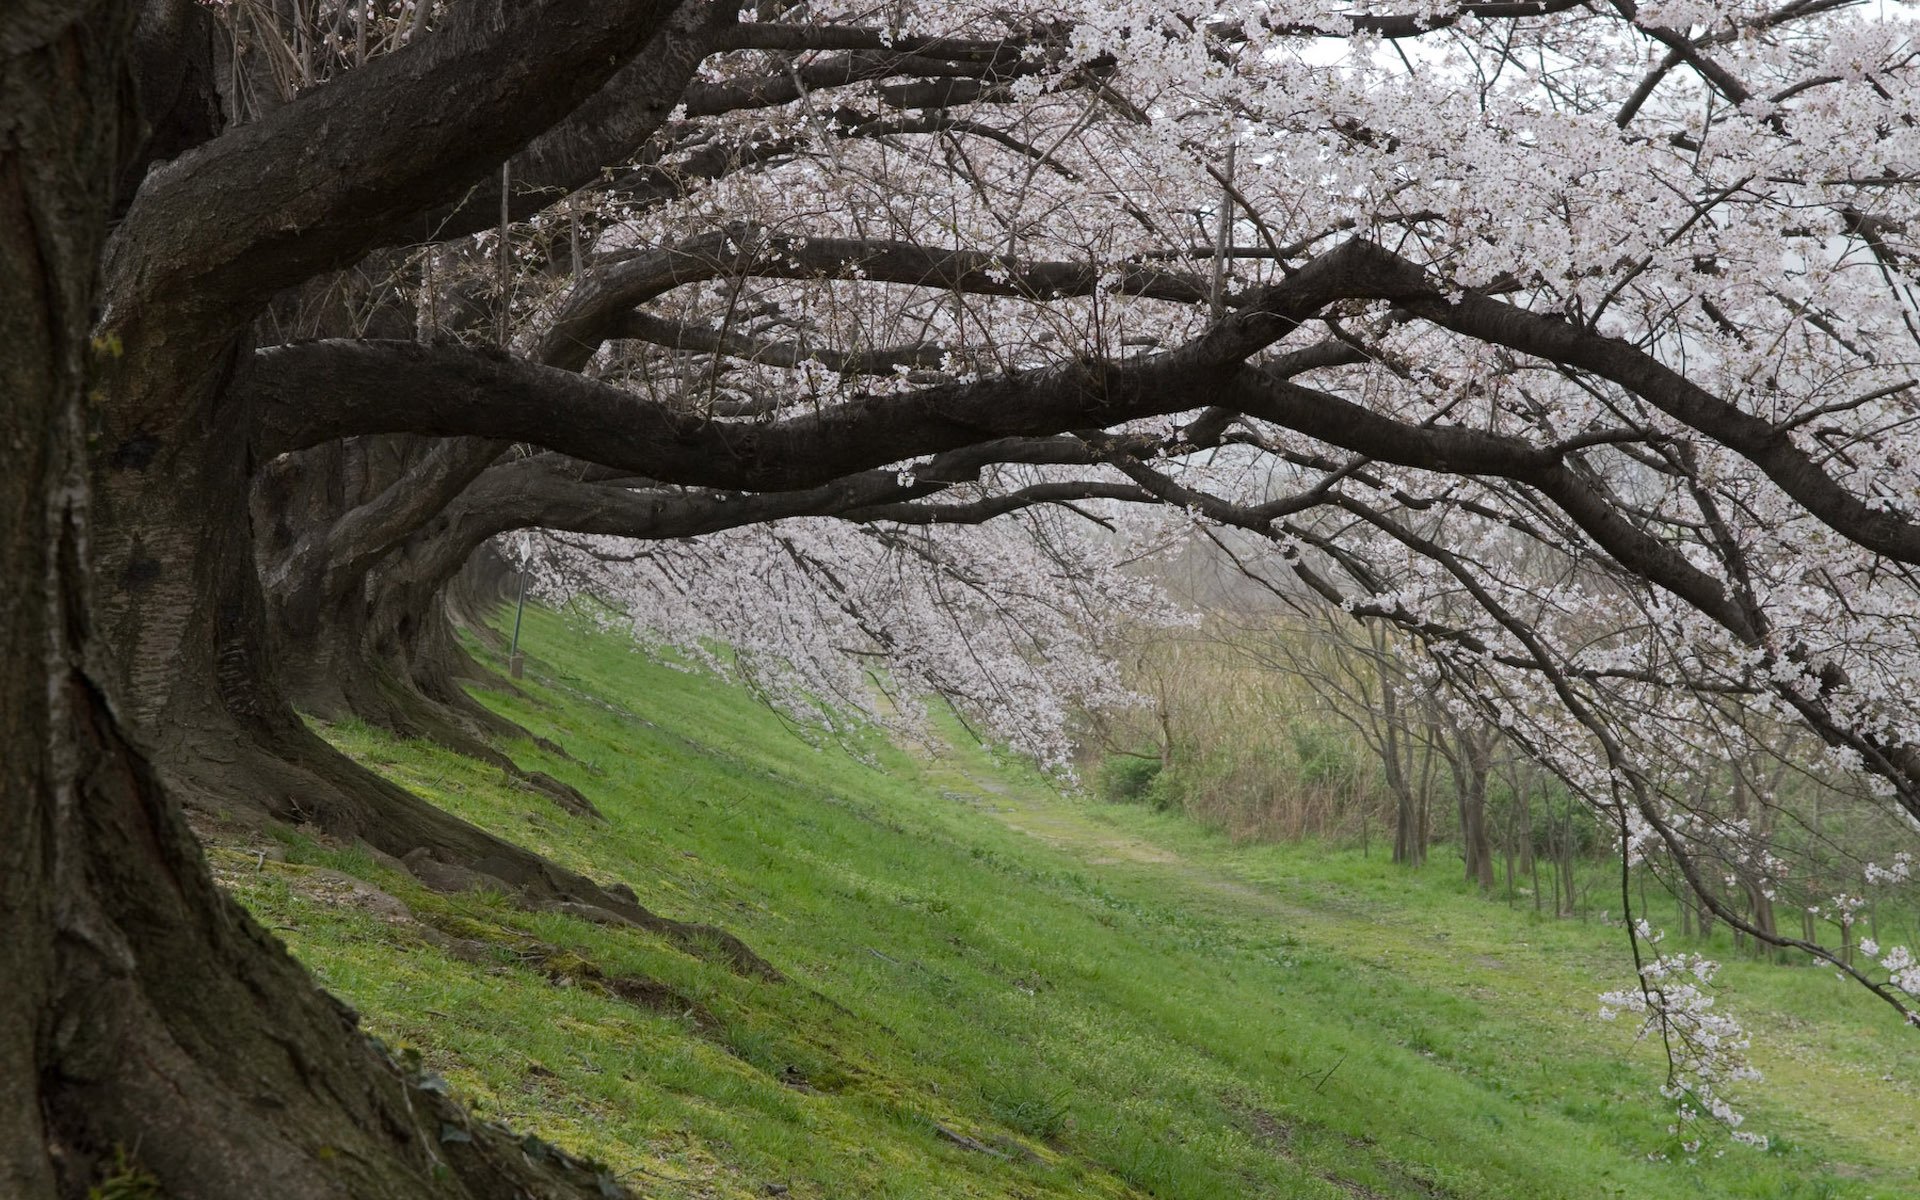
[1574, 338]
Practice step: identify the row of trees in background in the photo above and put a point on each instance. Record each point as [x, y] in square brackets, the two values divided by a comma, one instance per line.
[1294, 722]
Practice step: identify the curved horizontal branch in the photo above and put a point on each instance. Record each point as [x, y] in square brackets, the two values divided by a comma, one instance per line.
[977, 512]
[611, 126]
[1555, 339]
[860, 66]
[548, 493]
[1595, 514]
[311, 392]
[614, 125]
[767, 35]
[1410, 25]
[682, 335]
[612, 288]
[1459, 450]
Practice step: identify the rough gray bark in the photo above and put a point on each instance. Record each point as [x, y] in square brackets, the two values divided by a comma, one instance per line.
[355, 626]
[143, 1011]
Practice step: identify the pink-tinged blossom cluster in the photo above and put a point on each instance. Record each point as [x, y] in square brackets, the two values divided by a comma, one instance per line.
[834, 621]
[1706, 1048]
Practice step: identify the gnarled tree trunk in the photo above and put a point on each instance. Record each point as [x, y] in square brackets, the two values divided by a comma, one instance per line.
[349, 545]
[144, 1014]
[181, 608]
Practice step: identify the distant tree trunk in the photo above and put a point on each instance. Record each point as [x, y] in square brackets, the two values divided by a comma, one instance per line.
[1510, 856]
[1393, 746]
[1513, 843]
[1567, 877]
[1570, 877]
[1754, 885]
[1533, 868]
[1471, 761]
[1423, 835]
[1163, 714]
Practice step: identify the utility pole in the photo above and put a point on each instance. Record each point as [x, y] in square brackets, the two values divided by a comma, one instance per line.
[503, 330]
[516, 665]
[503, 316]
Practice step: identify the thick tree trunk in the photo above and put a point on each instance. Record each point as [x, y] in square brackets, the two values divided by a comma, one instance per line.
[377, 644]
[143, 1014]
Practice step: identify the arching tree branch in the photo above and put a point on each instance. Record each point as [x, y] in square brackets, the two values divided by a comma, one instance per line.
[212, 232]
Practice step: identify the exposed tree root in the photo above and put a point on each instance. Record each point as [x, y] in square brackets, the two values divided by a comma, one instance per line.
[192, 1053]
[284, 773]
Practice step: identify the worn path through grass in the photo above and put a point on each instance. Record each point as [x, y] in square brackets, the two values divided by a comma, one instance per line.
[1837, 1070]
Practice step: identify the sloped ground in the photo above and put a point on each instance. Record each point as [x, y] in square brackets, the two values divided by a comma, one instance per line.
[992, 990]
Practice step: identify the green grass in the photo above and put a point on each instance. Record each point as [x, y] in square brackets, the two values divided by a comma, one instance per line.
[995, 990]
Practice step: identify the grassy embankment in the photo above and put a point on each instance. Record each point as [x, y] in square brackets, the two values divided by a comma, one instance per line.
[993, 990]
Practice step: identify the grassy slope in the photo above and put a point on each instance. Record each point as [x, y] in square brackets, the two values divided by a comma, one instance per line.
[996, 991]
